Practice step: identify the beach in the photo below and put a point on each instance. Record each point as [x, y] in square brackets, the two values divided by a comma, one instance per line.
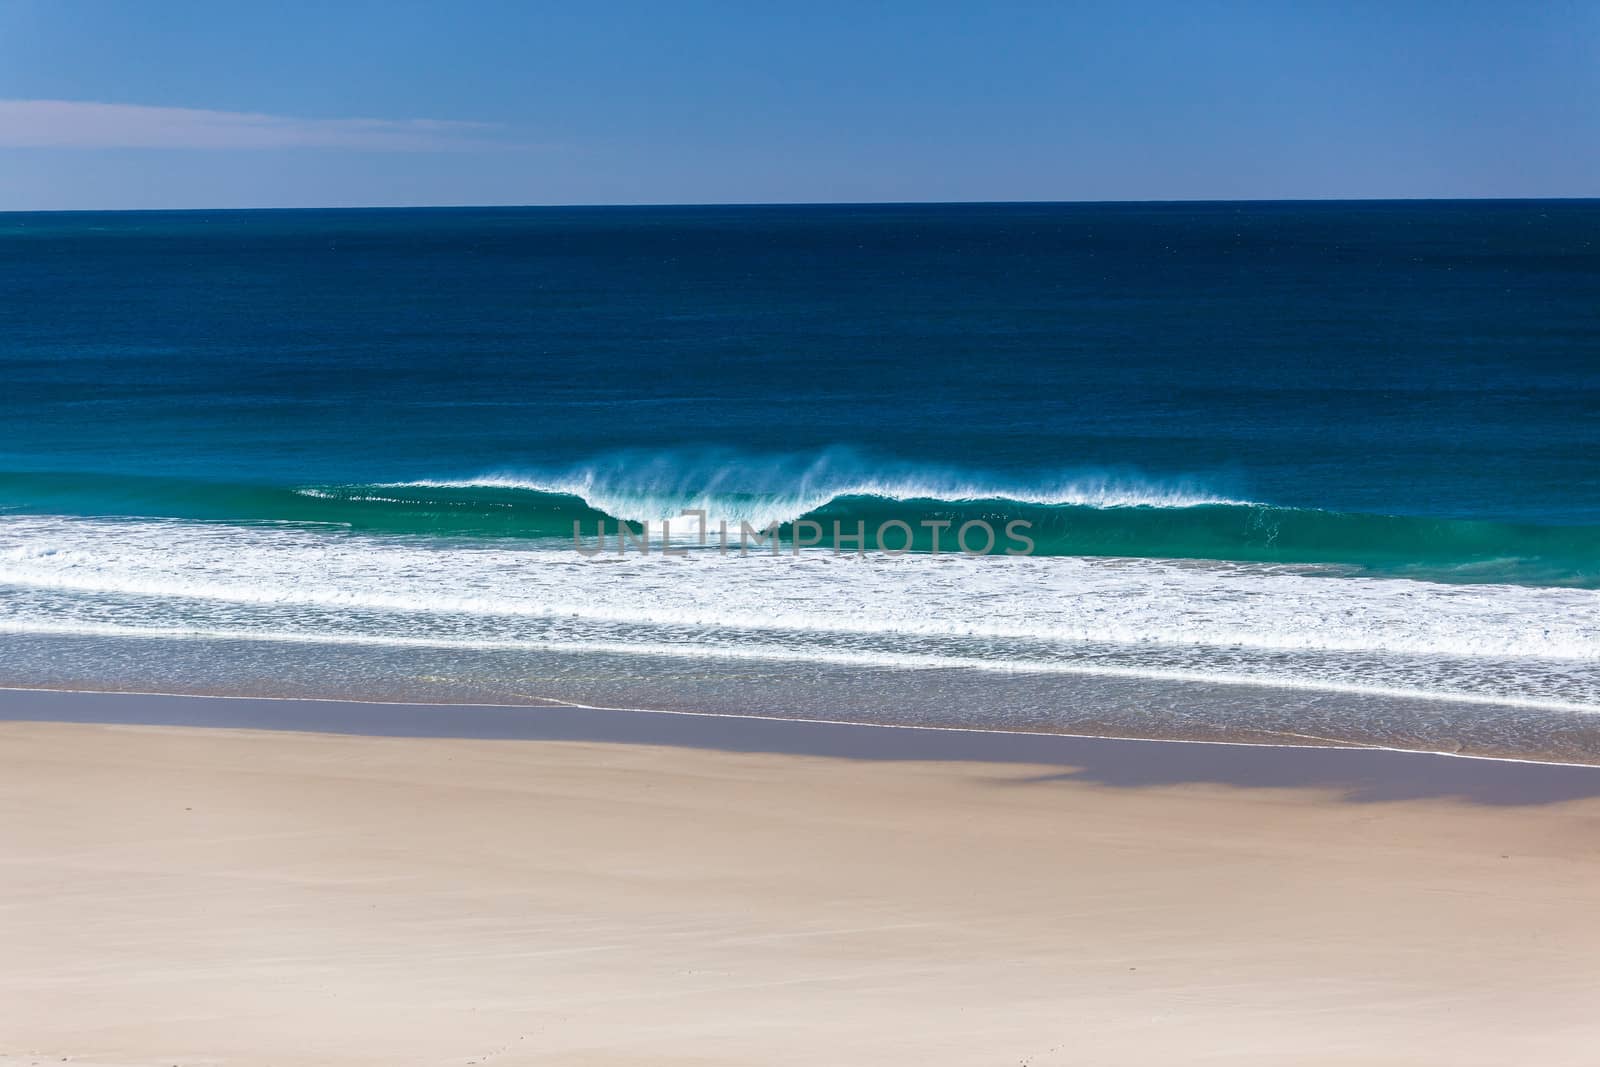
[590, 887]
[1060, 535]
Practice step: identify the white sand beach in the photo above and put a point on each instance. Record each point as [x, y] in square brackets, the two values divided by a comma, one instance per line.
[202, 896]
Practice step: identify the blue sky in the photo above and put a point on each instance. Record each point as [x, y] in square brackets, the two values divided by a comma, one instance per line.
[220, 104]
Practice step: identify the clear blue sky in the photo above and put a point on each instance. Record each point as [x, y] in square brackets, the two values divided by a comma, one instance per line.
[205, 104]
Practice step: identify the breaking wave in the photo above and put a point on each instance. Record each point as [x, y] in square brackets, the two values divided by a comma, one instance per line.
[1069, 513]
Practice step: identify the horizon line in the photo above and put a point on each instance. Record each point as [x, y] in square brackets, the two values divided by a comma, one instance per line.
[812, 203]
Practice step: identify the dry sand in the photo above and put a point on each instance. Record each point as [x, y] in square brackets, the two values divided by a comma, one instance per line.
[174, 895]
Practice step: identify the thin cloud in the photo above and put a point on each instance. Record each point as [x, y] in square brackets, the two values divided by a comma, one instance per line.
[82, 124]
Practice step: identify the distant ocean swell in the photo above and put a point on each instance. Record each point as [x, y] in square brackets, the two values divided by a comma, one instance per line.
[1085, 515]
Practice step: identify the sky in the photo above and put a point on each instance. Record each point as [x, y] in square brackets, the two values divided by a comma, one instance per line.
[169, 104]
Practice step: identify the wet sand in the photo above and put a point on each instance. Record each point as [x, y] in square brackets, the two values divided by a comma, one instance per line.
[382, 884]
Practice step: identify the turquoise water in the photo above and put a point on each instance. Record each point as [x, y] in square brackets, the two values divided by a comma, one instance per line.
[1090, 518]
[1346, 449]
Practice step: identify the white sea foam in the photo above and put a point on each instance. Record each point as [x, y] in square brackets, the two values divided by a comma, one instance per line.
[1128, 601]
[1275, 625]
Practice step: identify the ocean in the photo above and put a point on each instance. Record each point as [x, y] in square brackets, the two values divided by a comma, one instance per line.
[1282, 472]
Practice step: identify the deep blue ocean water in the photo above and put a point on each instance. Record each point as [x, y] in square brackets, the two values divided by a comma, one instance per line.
[1349, 448]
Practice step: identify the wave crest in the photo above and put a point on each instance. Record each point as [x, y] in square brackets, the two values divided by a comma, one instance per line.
[763, 489]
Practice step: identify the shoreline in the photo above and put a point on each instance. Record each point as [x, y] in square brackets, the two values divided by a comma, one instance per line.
[551, 703]
[1089, 704]
[1370, 772]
